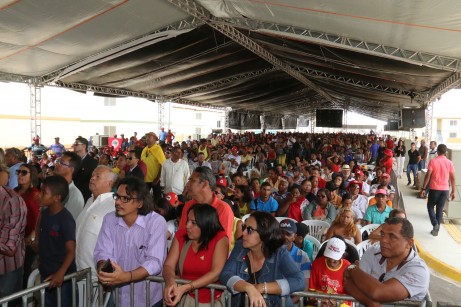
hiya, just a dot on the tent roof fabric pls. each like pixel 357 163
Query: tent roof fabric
pixel 279 57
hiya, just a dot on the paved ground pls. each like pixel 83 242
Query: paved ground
pixel 444 290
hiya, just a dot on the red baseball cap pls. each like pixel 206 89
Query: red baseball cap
pixel 381 191
pixel 234 148
pixel 172 198
pixel 221 181
pixel 388 153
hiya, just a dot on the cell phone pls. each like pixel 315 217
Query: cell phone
pixel 107 267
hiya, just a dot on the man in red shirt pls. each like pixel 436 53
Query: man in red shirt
pixel 440 171
pixel 200 187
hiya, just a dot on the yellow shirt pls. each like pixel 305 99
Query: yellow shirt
pixel 154 159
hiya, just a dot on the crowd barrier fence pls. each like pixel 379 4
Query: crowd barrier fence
pixel 87 299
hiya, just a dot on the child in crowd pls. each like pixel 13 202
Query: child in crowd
pixel 56 244
pixel 328 270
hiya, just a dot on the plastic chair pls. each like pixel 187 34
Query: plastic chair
pixel 245 217
pixel 363 246
pixel 368 229
pixel 315 243
pixel 281 218
pixel 316 228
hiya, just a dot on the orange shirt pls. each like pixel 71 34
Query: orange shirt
pixel 225 214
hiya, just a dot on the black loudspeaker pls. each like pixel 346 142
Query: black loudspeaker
pixel 392 125
pixel 331 118
pixel 412 118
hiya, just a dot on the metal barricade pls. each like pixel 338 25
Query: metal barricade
pixel 303 296
pixel 74 277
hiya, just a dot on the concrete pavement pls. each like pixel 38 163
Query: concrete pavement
pixel 441 253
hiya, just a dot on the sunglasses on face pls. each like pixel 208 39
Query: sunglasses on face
pixel 22 172
pixel 248 229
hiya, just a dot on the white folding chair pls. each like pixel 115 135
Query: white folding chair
pixel 368 229
pixel 245 217
pixel 315 243
pixel 281 218
pixel 363 246
pixel 316 228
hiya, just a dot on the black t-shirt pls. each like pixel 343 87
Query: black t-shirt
pixel 55 231
pixel 413 157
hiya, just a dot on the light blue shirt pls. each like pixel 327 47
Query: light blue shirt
pixel 13 179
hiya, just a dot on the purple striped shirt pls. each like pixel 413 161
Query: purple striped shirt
pixel 13 213
pixel 142 244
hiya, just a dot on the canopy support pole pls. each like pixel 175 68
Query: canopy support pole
pixel 35 111
pixel 429 117
pixel 161 114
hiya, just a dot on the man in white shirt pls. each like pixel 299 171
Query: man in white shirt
pixel 90 219
pixel 234 159
pixel 201 161
pixel 65 167
pixel 175 173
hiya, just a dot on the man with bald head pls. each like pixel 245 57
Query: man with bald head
pixel 153 157
pixel 90 219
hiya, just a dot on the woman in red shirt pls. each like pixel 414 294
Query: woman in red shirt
pixel 27 188
pixel 200 251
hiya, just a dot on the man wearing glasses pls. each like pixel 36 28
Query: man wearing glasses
pixel 134 239
pixel 391 271
pixel 83 174
pixel 65 167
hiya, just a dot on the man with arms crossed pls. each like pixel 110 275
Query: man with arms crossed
pixel 391 271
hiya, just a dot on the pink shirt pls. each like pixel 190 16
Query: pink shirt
pixel 441 168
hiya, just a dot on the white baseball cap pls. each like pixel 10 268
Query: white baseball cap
pixel 335 249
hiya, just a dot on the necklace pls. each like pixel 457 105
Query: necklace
pixel 251 258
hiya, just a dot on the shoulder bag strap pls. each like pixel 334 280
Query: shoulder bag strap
pixel 182 256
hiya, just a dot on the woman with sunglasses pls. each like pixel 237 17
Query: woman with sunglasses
pixel 27 189
pixel 199 251
pixel 261 266
pixel 320 208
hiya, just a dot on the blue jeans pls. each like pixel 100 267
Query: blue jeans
pixel 436 198
pixel 51 298
pixel 11 282
pixel 421 164
pixel 414 169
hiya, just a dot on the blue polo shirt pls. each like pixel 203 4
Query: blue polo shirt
pixel 374 216
pixel 302 260
pixel 271 205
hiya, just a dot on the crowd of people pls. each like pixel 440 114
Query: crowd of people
pixel 205 210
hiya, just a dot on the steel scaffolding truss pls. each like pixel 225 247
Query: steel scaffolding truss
pixel 161 113
pixel 35 111
pixel 429 116
pixel 451 82
pixel 221 83
pixel 194 9
pixel 358 83
pixel 409 56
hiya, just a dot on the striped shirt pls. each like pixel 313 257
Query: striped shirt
pixel 141 245
pixel 13 213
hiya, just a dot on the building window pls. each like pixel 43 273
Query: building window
pixel 109 130
pixel 109 102
pixel 452 134
pixel 453 123
pixel 218 124
pixel 198 115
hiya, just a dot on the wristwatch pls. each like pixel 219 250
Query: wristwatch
pixel 351 267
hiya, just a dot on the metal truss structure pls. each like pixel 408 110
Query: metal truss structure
pixel 223 82
pixel 161 114
pixel 35 111
pixel 409 56
pixel 357 83
pixel 194 9
pixel 429 117
pixel 453 81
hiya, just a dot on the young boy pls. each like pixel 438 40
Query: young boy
pixel 56 240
